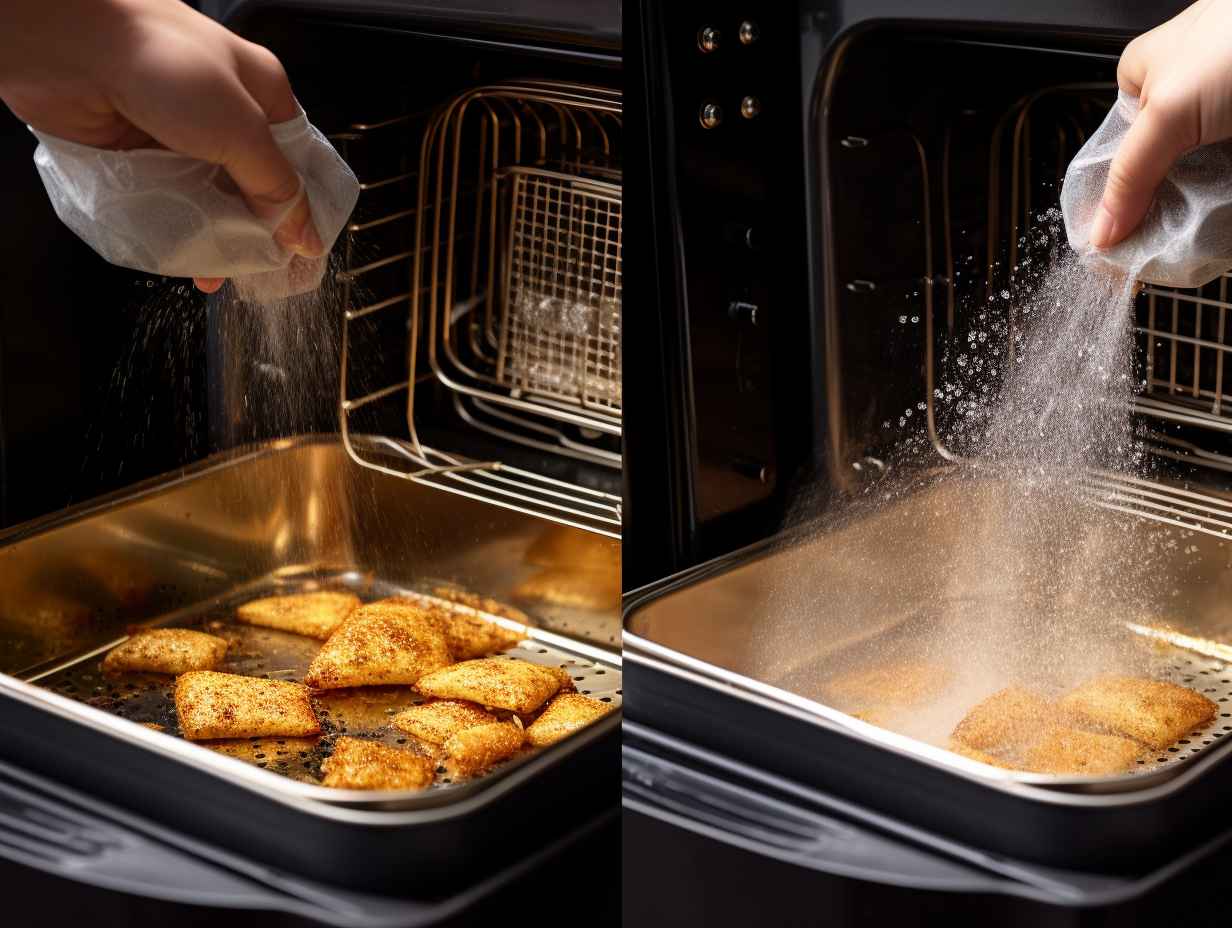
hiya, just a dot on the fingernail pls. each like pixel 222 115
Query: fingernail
pixel 310 244
pixel 1101 228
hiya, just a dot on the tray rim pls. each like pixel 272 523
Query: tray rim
pixel 1088 792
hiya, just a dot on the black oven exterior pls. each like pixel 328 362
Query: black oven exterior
pixel 108 377
pixel 732 425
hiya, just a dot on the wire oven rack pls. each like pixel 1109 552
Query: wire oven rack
pixel 1183 335
pixel 512 231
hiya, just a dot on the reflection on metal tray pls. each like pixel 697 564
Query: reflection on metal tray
pixel 365 712
pixel 776 624
pixel 284 515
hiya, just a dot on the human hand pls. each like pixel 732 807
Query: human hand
pixel 125 74
pixel 1181 73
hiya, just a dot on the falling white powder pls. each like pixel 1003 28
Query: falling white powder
pixel 999 569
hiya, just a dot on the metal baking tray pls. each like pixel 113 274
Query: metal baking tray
pixel 282 516
pixel 747 637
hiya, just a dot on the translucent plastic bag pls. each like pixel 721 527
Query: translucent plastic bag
pixel 163 213
pixel 1185 239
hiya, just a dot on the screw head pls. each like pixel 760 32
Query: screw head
pixel 708 39
pixel 710 115
pixel 749 107
pixel 749 32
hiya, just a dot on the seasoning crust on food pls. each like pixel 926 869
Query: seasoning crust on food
pixel 1151 711
pixel 475 749
pixel 166 650
pixel 1065 750
pixel 565 714
pixel 379 644
pixel 360 764
pixel 315 615
pixel 223 705
pixel 1007 719
pixel 502 683
pixel 439 720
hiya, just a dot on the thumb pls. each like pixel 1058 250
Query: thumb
pixel 1139 166
pixel 268 183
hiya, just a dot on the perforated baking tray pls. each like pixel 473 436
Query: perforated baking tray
pixel 363 712
pixel 185 549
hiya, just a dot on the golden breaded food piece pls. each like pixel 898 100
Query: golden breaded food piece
pixel 166 650
pixel 468 636
pixel 575 589
pixel 225 705
pixel 438 721
pixel 475 749
pixel 316 615
pixel 502 683
pixel 1007 719
pixel 899 683
pixel 482 603
pixel 380 644
pixel 1150 711
pixel 360 764
pixel 563 546
pixel 564 715
pixel 1065 750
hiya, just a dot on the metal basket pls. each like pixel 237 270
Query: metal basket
pixel 514 297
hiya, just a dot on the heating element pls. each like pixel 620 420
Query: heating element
pixel 513 306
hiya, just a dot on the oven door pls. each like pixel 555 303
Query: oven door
pixel 720 826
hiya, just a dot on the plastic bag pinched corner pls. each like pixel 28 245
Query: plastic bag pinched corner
pixel 1185 239
pixel 164 213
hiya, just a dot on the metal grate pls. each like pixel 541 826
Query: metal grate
pixel 1184 335
pixel 561 330
pixel 442 286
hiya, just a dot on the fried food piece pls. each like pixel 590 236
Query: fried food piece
pixel 564 715
pixel 380 644
pixel 897 684
pixel 166 650
pixel 575 589
pixel 316 615
pixel 1065 750
pixel 1008 718
pixel 224 705
pixel 468 636
pixel 360 764
pixel 1151 711
pixel 438 721
pixel 475 749
pixel 562 546
pixel 502 683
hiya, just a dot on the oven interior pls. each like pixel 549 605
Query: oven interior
pixel 520 292
pixel 474 316
pixel 938 153
pixel 976 133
